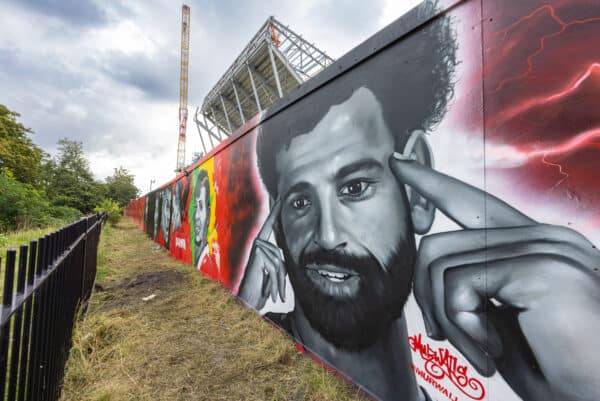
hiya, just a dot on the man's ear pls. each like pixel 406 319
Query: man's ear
pixel 422 210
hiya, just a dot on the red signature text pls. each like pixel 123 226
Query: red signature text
pixel 440 363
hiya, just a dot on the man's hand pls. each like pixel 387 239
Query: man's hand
pixel 265 272
pixel 512 295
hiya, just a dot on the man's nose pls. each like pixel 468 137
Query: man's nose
pixel 328 234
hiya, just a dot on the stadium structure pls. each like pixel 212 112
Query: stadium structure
pixel 275 62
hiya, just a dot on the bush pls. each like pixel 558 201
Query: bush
pixel 21 205
pixel 65 214
pixel 113 210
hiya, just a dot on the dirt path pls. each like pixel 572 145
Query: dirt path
pixel 157 330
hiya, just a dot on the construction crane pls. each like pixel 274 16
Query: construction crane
pixel 183 86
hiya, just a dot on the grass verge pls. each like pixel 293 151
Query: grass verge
pixel 192 341
pixel 15 238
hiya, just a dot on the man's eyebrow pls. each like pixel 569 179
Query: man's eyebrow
pixel 297 187
pixel 363 164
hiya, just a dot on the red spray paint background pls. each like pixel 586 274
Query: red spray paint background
pixel 238 204
pixel 541 81
pixel 136 210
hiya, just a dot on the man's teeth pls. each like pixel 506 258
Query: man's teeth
pixel 335 277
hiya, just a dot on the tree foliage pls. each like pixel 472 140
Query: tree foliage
pixel 18 153
pixel 39 190
pixel 70 182
pixel 23 206
pixel 120 187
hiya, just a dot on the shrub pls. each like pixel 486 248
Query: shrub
pixel 64 214
pixel 21 205
pixel 112 209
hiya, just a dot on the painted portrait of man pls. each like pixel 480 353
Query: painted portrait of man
pixel 179 202
pixel 157 213
pixel 165 217
pixel 349 172
pixel 201 216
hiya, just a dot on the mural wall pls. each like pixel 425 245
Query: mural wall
pixel 423 215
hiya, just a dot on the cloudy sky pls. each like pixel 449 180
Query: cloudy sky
pixel 107 72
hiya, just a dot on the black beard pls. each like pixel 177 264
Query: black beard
pixel 355 323
pixel 200 244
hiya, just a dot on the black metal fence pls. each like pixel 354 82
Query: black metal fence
pixel 54 279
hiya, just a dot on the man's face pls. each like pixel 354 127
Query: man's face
pixel 200 214
pixel 345 223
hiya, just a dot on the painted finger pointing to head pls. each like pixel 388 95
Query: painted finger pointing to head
pixel 460 201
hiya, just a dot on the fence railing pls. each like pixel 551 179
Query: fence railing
pixel 54 280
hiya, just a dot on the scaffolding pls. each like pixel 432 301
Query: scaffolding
pixel 273 64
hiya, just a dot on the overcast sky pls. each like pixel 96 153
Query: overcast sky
pixel 107 72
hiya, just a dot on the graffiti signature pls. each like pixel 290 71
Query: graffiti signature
pixel 441 363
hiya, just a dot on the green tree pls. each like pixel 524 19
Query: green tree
pixel 70 181
pixel 18 153
pixel 120 187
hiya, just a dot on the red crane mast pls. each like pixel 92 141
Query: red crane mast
pixel 183 86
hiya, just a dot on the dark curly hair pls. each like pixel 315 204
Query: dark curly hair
pixel 412 79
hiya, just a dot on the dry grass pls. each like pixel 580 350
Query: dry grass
pixel 193 341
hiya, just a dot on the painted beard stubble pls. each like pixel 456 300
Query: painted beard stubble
pixel 354 323
pixel 200 241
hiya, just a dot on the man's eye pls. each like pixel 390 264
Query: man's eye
pixel 354 188
pixel 300 203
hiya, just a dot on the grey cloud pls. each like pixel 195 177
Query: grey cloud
pixel 39 87
pixel 157 77
pixel 76 12
pixel 48 70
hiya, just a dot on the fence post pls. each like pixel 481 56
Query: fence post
pixel 84 303
pixel 34 364
pixel 26 355
pixel 9 275
pixel 17 333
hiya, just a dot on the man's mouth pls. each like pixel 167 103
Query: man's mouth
pixel 332 272
pixel 335 277
pixel 334 280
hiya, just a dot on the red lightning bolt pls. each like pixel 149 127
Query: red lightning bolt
pixel 563 27
pixel 563 173
pixel 577 142
pixel 511 112
pixel 582 140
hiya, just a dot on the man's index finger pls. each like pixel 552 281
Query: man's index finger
pixel 468 206
pixel 267 227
